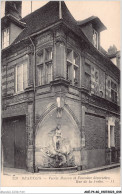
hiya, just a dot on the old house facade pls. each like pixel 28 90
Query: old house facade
pixel 60 91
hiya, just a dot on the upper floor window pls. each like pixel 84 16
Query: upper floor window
pixel 88 77
pixel 44 66
pixel 95 38
pixel 21 76
pixel 48 54
pixel 5 38
pixel 73 62
pixel 113 92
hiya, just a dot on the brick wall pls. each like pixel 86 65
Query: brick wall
pixel 95 132
pixel 117 133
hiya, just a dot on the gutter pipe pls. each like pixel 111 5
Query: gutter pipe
pixel 34 89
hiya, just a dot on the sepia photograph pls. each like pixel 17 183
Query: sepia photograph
pixel 60 94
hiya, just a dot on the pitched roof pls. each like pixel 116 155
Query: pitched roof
pixel 49 14
pixel 11 18
pixel 40 19
pixel 46 16
pixel 93 19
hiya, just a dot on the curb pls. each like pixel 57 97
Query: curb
pixel 102 168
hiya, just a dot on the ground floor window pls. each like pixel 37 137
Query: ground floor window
pixel 112 138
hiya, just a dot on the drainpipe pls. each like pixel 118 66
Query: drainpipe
pixel 34 90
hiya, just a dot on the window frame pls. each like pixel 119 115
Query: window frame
pixel 51 53
pixel 72 66
pixel 97 38
pixel 47 64
pixel 16 77
pixel 112 136
pixel 111 123
pixel 87 72
pixel 114 96
pixel 44 64
pixel 5 42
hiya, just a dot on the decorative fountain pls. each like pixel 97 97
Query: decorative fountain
pixel 56 153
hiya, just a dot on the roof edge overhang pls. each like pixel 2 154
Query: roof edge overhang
pixel 26 39
pixel 107 59
pixel 9 18
pixel 93 20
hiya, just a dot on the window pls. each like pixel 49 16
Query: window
pixel 5 38
pixel 48 54
pixel 69 55
pixel 75 74
pixel 40 57
pixel 40 75
pixel 113 92
pixel 112 138
pixel 96 76
pixel 48 73
pixel 95 39
pixel 87 81
pixel 76 59
pixel 73 62
pixel 68 73
pixel 44 66
pixel 88 77
pixel 111 132
pixel 21 77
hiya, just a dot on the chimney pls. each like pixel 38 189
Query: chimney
pixel 13 8
pixel 112 50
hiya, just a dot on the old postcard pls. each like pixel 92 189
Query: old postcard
pixel 60 71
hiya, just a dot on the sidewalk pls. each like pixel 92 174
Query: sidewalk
pixel 13 171
pixel 98 169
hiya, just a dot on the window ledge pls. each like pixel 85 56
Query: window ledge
pixel 17 93
pixel 39 64
pixel 48 61
pixel 43 86
pixel 23 91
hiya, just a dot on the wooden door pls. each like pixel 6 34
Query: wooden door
pixel 20 144
pixel 14 142
pixel 8 143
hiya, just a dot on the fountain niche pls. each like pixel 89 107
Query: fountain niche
pixel 58 143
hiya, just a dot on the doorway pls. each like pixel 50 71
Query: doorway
pixel 14 142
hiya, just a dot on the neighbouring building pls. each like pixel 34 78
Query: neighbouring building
pixel 60 91
pixel 114 55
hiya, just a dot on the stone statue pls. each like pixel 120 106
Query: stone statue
pixel 59 148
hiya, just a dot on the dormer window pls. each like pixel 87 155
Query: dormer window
pixel 5 38
pixel 95 38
